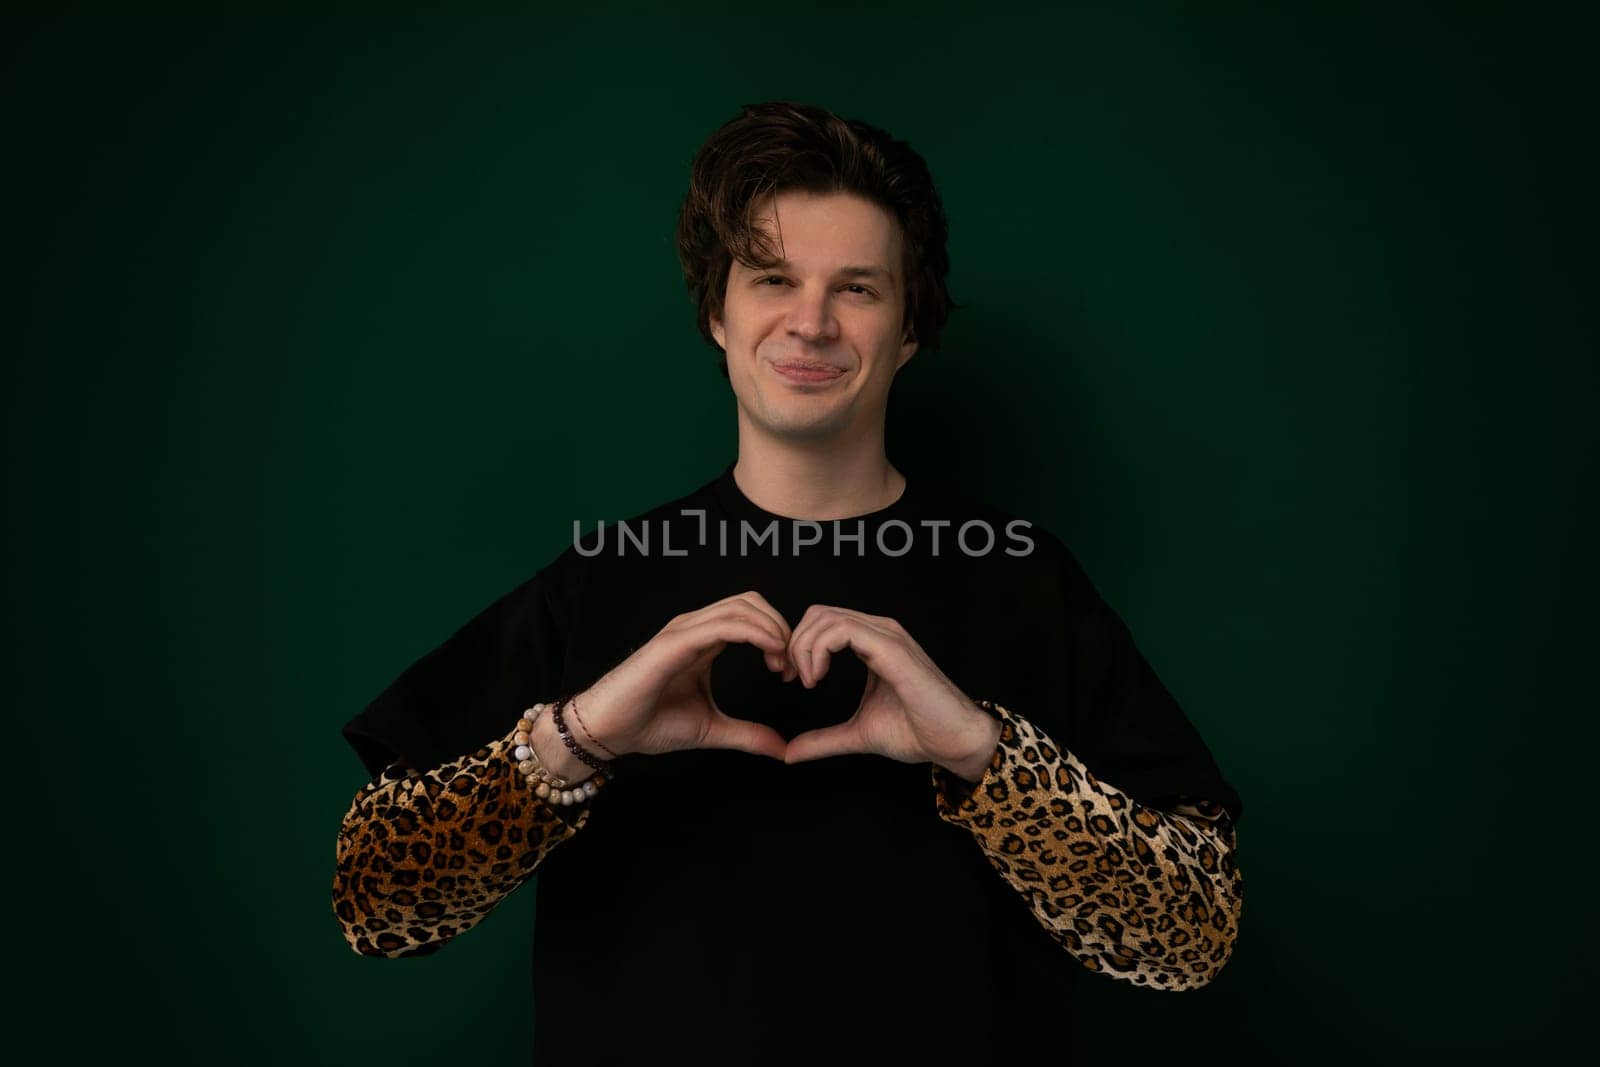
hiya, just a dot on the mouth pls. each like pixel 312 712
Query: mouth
pixel 807 370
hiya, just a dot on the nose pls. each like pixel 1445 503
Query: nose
pixel 811 319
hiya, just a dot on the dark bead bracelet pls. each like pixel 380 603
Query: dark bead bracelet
pixel 567 739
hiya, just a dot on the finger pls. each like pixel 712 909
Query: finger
pixel 815 656
pixel 871 645
pixel 745 736
pixel 692 642
pixel 762 604
pixel 738 608
pixel 800 640
pixel 841 739
pixel 826 640
pixel 763 614
pixel 808 620
pixel 749 601
pixel 739 605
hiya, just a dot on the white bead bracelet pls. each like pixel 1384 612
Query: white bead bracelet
pixel 551 788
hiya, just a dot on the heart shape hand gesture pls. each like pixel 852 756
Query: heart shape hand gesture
pixel 659 699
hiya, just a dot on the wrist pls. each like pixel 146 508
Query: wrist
pixel 553 753
pixel 971 768
pixel 585 720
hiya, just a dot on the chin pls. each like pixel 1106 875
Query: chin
pixel 807 426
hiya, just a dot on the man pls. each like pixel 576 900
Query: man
pixel 845 766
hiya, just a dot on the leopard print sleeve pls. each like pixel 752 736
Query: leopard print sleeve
pixel 1148 896
pixel 423 856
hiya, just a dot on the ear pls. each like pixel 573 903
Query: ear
pixel 907 350
pixel 717 331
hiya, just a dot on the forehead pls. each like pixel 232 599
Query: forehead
pixel 828 231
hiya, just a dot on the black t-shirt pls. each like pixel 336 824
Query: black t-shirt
pixel 733 908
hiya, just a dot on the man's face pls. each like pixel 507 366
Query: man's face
pixel 814 343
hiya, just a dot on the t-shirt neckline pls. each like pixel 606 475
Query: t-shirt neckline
pixel 739 506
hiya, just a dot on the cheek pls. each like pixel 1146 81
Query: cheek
pixel 749 333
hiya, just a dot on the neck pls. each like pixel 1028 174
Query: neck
pixel 817 480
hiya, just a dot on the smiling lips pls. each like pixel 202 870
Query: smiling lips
pixel 807 370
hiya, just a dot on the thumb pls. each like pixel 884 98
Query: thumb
pixel 837 740
pixel 746 736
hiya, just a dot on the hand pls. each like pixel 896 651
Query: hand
pixel 909 710
pixel 659 699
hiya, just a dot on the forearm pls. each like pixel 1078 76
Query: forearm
pixel 423 856
pixel 1147 896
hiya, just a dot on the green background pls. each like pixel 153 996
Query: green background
pixel 325 327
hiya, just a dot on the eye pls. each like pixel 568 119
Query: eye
pixel 856 289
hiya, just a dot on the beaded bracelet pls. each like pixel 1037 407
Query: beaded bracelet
pixel 593 740
pixel 551 788
pixel 567 738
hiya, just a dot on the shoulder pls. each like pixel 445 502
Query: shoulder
pixel 1030 560
pixel 1018 534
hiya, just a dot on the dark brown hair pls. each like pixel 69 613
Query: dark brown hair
pixel 785 146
